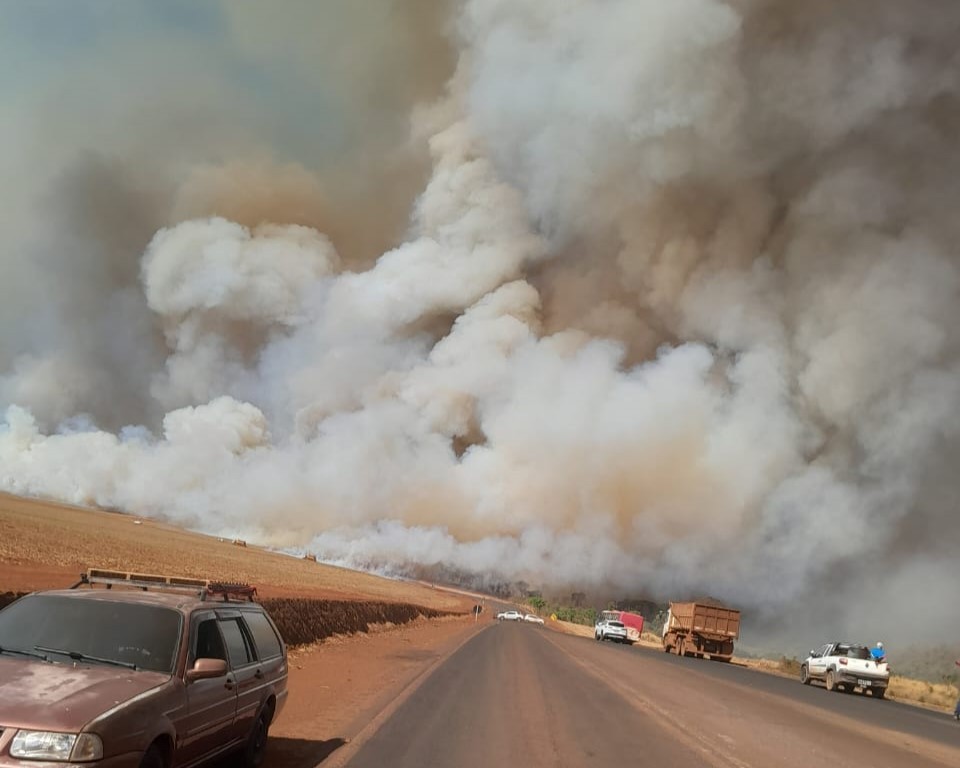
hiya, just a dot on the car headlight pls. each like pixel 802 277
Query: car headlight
pixel 45 745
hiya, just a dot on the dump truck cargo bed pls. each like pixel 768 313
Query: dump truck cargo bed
pixel 706 619
pixel 695 629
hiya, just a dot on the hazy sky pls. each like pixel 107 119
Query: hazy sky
pixel 276 69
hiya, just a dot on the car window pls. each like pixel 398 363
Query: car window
pixel 238 644
pixel 858 652
pixel 209 643
pixel 130 633
pixel 264 636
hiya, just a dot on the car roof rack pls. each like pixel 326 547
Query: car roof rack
pixel 230 590
pixel 202 588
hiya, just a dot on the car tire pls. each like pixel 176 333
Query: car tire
pixel 879 693
pixel 804 675
pixel 831 681
pixel 256 746
pixel 153 758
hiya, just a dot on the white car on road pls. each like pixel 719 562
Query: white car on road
pixel 510 616
pixel 611 630
pixel 846 667
pixel 533 619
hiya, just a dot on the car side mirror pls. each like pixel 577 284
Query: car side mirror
pixel 814 654
pixel 206 669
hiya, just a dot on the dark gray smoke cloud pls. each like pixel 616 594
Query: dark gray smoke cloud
pixel 675 314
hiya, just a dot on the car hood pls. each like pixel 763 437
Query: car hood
pixel 61 697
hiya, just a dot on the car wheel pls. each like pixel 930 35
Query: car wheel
pixel 831 681
pixel 153 758
pixel 879 693
pixel 256 746
pixel 804 675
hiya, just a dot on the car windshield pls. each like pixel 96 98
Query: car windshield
pixel 854 652
pixel 615 623
pixel 102 631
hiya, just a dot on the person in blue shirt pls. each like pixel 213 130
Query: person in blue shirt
pixel 878 653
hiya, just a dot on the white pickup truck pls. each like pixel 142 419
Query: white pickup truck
pixel 846 667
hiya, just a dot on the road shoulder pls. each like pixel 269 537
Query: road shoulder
pixel 341 688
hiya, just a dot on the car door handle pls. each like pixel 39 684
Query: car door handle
pixel 229 684
pixel 258 674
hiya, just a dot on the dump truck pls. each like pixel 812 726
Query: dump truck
pixel 701 629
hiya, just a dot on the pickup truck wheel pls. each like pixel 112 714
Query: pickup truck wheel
pixel 804 675
pixel 153 758
pixel 879 693
pixel 256 746
pixel 831 681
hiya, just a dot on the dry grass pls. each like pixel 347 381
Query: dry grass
pixel 935 695
pixel 46 545
pixel 569 628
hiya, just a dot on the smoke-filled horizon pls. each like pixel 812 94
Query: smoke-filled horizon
pixel 674 310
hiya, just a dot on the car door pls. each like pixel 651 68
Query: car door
pixel 818 665
pixel 245 670
pixel 270 650
pixel 211 704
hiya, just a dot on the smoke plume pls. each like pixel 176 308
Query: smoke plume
pixel 675 313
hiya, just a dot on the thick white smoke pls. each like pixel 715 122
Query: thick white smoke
pixel 677 314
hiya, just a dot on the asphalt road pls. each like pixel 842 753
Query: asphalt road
pixel 522 695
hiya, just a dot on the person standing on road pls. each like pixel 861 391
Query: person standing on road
pixel 956 710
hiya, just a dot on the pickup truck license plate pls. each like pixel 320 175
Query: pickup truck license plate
pixel 864 683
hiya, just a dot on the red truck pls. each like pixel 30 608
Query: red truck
pixel 632 621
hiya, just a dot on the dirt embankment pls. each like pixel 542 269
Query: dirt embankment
pixel 305 621
pixel 302 622
pixel 45 545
